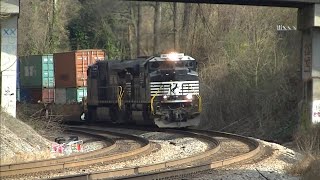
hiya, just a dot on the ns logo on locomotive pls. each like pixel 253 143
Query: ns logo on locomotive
pixel 161 90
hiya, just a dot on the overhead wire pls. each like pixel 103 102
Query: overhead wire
pixel 10 66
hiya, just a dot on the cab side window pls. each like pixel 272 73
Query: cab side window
pixel 93 71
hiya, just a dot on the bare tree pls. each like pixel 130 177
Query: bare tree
pixel 139 30
pixel 157 26
pixel 39 32
pixel 186 26
pixel 175 28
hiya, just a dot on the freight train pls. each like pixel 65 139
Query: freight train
pixel 158 90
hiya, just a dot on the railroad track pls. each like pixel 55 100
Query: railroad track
pixel 199 162
pixel 178 167
pixel 77 160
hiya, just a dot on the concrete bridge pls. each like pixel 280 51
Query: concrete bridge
pixel 308 23
pixel 275 3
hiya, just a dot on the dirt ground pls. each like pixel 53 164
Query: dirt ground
pixel 19 142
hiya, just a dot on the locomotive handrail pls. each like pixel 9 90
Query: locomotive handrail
pixel 151 101
pixel 120 95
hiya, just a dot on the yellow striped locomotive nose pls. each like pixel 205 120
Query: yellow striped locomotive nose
pixel 174 88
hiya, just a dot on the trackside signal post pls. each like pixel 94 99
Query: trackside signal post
pixel 309 24
pixel 8 64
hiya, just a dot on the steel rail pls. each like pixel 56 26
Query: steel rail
pixel 144 169
pixel 49 166
pixel 73 157
pixel 256 148
pixel 213 150
pixel 144 172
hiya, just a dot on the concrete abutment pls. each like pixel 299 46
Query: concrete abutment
pixel 309 25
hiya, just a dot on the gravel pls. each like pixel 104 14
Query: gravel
pixel 175 148
pixel 272 168
pixel 19 142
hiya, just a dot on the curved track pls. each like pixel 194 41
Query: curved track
pixel 173 168
pixel 77 159
pixel 199 162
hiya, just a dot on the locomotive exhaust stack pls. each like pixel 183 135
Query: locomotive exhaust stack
pixel 161 90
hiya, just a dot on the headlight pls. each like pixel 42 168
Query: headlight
pixel 189 96
pixel 165 97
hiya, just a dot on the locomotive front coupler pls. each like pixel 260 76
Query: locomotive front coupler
pixel 178 115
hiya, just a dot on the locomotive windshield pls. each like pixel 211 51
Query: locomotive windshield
pixel 168 65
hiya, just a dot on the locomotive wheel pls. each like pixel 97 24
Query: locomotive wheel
pixel 114 114
pixel 128 115
pixel 92 114
pixel 120 116
pixel 147 115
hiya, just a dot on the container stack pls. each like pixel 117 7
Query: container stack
pixel 36 76
pixel 60 77
pixel 71 74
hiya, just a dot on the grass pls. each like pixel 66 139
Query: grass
pixel 308 142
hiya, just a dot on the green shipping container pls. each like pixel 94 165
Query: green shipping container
pixel 75 94
pixel 37 71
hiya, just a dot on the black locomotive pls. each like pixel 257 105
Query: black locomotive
pixel 161 90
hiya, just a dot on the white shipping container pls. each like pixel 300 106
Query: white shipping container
pixel 61 96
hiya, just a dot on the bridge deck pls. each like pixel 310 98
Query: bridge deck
pixel 275 3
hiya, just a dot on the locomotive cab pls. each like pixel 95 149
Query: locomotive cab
pixel 174 90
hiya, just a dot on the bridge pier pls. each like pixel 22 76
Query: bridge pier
pixel 8 63
pixel 309 24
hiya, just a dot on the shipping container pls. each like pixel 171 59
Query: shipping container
pixel 36 71
pixel 70 95
pixel 61 96
pixel 71 67
pixel 75 94
pixel 35 95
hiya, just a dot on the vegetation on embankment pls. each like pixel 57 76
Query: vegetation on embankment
pixel 308 143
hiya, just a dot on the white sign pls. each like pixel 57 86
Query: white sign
pixel 316 112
